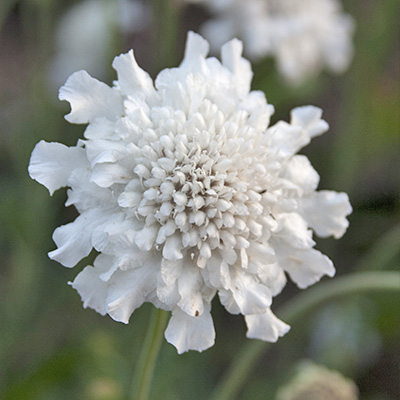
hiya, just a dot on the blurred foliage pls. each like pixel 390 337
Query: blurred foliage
pixel 51 348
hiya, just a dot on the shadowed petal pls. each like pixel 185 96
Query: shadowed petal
pixel 191 333
pixel 265 326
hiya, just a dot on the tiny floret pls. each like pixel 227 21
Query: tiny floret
pixel 186 192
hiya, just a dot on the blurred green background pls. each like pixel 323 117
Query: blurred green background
pixel 51 348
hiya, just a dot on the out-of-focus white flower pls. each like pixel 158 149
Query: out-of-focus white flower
pixel 304 36
pixel 316 382
pixel 85 34
pixel 186 192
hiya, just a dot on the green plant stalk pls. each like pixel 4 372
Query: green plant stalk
pixel 297 308
pixel 148 356
pixel 165 34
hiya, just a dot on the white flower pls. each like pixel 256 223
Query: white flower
pixel 312 382
pixel 84 35
pixel 186 192
pixel 304 36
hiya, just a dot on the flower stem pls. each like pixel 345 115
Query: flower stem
pixel 148 356
pixel 165 34
pixel 296 309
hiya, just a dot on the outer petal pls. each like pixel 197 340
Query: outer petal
pixel 231 54
pixel 92 289
pixel 265 326
pixel 273 276
pixel 103 151
pixel 131 77
pixel 191 333
pixel 295 231
pixel 51 164
pixel 196 51
pixel 74 240
pixel 117 232
pixel 286 139
pixel 85 195
pixel 326 212
pixel 246 294
pixel 305 267
pixel 189 286
pixel 106 174
pixel 300 172
pixel 259 110
pixel 168 293
pixel 309 118
pixel 90 99
pixel 101 128
pixel 130 289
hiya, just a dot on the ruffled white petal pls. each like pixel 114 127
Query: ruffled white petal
pixel 231 54
pixel 300 172
pixel 274 277
pixel 168 293
pixel 103 151
pixel 294 231
pixel 92 289
pixel 309 118
pixel 325 212
pixel 51 164
pixel 74 240
pixel 90 99
pixel 189 287
pixel 101 128
pixel 128 290
pixel 265 326
pixel 286 139
pixel 131 78
pixel 196 51
pixel 85 195
pixel 246 294
pixel 259 110
pixel 305 267
pixel 106 174
pixel 191 333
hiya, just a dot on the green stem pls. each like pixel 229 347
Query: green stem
pixel 148 356
pixel 165 35
pixel 297 308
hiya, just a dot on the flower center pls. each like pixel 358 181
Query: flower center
pixel 202 187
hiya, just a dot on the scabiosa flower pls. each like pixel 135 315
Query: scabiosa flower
pixel 186 193
pixel 303 36
pixel 315 382
pixel 84 35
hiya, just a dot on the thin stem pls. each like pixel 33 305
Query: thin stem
pixel 297 308
pixel 165 34
pixel 148 356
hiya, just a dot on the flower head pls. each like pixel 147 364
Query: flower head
pixel 186 192
pixel 315 382
pixel 83 38
pixel 303 36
